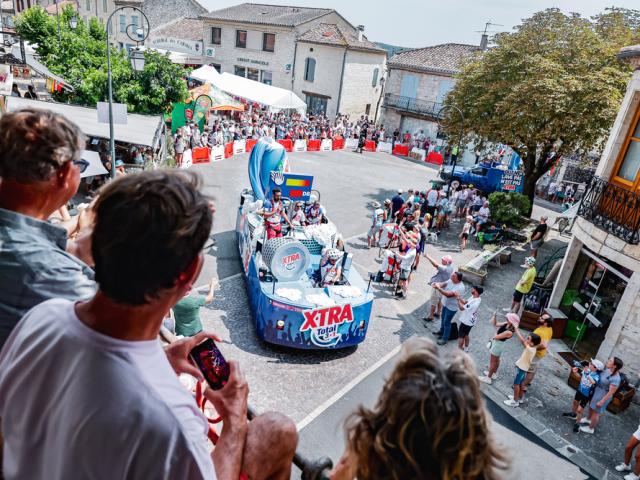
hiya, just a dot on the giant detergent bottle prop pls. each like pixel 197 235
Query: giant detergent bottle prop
pixel 266 157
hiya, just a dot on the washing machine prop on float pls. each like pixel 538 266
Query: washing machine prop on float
pixel 289 302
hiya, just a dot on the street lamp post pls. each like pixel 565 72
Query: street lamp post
pixel 442 113
pixel 58 18
pixel 141 35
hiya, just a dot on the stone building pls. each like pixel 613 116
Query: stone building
pixel 417 83
pixel 315 52
pixel 598 287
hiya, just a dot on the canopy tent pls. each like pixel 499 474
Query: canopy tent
pixel 219 99
pixel 143 130
pixel 273 97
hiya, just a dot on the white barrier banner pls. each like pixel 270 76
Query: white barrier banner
pixel 187 159
pixel 239 146
pixel 351 143
pixel 384 147
pixel 326 145
pixel 217 153
pixel 418 154
pixel 300 146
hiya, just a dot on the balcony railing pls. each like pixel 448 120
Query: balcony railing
pixel 613 209
pixel 408 104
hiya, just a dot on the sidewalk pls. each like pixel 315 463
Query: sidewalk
pixel 549 394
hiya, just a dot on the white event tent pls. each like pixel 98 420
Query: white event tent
pixel 273 97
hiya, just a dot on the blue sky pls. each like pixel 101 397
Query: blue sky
pixel 417 23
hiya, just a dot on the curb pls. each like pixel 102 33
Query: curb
pixel 553 440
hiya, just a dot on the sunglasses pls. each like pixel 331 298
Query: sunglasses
pixel 81 164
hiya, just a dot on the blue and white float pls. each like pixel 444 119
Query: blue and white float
pixel 287 306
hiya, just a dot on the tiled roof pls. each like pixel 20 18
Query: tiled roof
pixel 183 28
pixel 285 16
pixel 331 34
pixel 446 58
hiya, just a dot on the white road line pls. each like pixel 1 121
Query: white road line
pixel 344 390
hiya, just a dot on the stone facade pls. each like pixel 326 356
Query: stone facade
pixel 350 92
pixel 621 338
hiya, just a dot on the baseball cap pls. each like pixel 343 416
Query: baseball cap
pixel 597 363
pixel 399 192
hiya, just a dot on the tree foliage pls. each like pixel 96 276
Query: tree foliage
pixel 81 59
pixel 550 88
pixel 509 207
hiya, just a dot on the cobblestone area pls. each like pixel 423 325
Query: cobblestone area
pixel 298 382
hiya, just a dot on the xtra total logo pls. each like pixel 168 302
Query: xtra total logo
pixel 323 324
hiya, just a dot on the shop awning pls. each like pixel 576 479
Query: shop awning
pixel 273 97
pixel 219 99
pixel 36 65
pixel 140 129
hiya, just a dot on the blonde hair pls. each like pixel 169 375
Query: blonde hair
pixel 429 422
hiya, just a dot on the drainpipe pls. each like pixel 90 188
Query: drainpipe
pixel 344 61
pixel 293 67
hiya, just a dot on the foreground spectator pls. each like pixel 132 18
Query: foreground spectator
pixel 114 407
pixel 40 167
pixel 625 466
pixel 429 423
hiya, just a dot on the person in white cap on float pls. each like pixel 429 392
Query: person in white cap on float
pixel 444 271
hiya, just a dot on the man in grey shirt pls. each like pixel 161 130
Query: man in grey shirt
pixel 443 272
pixel 40 166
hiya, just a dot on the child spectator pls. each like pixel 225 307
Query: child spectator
pixel 187 311
pixel 466 229
pixel 522 366
pixel 589 378
pixel 468 317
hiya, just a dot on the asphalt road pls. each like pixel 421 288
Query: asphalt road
pixel 318 389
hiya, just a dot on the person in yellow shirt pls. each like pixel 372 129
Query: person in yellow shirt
pixel 545 332
pixel 522 366
pixel 524 285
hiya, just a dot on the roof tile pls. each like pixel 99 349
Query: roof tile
pixel 332 34
pixel 446 58
pixel 280 15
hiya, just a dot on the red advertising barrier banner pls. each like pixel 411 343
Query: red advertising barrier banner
pixel 228 150
pixel 313 146
pixel 250 144
pixel 401 150
pixel 370 146
pixel 338 143
pixel 435 158
pixel 201 155
pixel 287 144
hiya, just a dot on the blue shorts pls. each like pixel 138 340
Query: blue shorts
pixel 520 376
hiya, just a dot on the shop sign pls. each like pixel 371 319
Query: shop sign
pixel 253 61
pixel 192 47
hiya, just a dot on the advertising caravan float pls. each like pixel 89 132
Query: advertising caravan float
pixel 290 302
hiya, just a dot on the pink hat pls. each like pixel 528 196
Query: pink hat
pixel 447 260
pixel 513 319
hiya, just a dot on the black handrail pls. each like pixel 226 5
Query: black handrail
pixel 414 105
pixel 612 208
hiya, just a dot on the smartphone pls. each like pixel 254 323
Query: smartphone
pixel 208 358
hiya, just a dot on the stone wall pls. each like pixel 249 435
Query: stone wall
pixel 357 88
pixel 428 84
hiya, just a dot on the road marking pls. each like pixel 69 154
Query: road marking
pixel 344 390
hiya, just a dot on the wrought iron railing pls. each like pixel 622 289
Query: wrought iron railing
pixel 413 105
pixel 612 208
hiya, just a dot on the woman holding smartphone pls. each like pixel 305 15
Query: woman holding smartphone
pixel 504 331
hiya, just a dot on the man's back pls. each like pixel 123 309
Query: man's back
pixel 106 408
pixel 35 267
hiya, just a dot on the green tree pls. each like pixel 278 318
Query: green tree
pixel 550 88
pixel 81 59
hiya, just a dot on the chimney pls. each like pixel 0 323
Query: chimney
pixel 360 31
pixel 484 41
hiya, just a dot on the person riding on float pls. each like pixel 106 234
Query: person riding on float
pixel 330 270
pixel 298 219
pixel 273 214
pixel 315 213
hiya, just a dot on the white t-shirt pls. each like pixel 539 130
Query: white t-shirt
pixel 406 262
pixel 75 403
pixel 470 313
pixel 432 198
pixel 452 302
pixel 484 212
